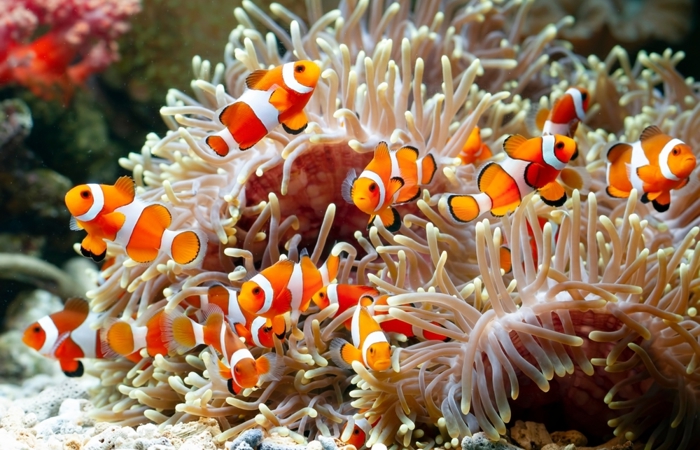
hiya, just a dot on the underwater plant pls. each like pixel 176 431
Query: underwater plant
pixel 600 307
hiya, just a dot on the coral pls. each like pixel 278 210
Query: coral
pixel 601 317
pixel 16 121
pixel 80 41
pixel 27 267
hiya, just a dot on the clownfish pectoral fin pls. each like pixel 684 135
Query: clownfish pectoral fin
pixel 532 175
pixel 186 247
pixel 512 144
pixel 408 194
pixel 269 367
pixel 254 80
pixel 553 194
pixel 648 174
pixel 390 219
pixel 72 368
pixel 662 202
pixel 218 145
pixel 395 184
pixel 125 185
pixel 617 150
pixel 506 261
pixel 295 124
pixel 346 188
pixel 281 100
pixel 463 208
pixel 178 332
pixel 649 132
pixel 343 353
pixel 74 225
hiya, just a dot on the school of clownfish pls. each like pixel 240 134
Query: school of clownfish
pixel 271 303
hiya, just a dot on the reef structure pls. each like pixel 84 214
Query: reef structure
pixel 603 313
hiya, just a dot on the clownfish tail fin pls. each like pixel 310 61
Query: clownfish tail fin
pixel 119 338
pixel 429 167
pixel 179 332
pixel 337 349
pixel 184 247
pixel 270 367
pixel 463 208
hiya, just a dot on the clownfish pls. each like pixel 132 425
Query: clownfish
pixel 286 287
pixel 360 431
pixel 654 165
pixel 567 112
pixel 253 329
pixel 475 151
pixel 115 214
pixel 240 368
pixel 405 328
pixel 126 337
pixel 67 336
pixel 532 165
pixel 345 296
pixel 369 344
pixel 391 178
pixel 273 96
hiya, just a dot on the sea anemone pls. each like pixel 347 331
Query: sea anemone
pixel 586 306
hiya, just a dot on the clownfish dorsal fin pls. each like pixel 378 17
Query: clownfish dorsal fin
pixel 512 144
pixel 254 78
pixel 381 153
pixel 649 132
pixel 125 185
pixel 77 305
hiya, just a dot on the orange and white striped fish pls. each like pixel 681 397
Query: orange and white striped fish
pixel 475 151
pixel 654 166
pixel 286 287
pixel 345 296
pixel 369 344
pixel 567 112
pixel 391 178
pixel 125 337
pixel 67 336
pixel 114 213
pixel 275 96
pixel 532 165
pixel 360 431
pixel 253 329
pixel 405 328
pixel 240 368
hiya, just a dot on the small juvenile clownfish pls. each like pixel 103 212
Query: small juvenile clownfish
pixel 67 336
pixel 532 165
pixel 345 296
pixel 240 368
pixel 654 165
pixel 391 178
pixel 286 287
pixel 125 337
pixel 405 328
pixel 360 431
pixel 115 214
pixel 273 96
pixel 369 344
pixel 567 112
pixel 253 329
pixel 475 151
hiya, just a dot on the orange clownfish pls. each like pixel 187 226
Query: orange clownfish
pixel 567 112
pixel 114 213
pixel 67 336
pixel 369 344
pixel 405 328
pixel 273 96
pixel 286 286
pixel 392 177
pixel 654 165
pixel 345 296
pixel 253 329
pixel 532 165
pixel 360 431
pixel 240 368
pixel 475 151
pixel 126 337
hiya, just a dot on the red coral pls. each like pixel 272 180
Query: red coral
pixel 79 41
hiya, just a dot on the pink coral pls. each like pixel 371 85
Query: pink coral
pixel 79 42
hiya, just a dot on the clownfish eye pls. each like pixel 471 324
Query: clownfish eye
pixel 267 329
pixel 371 351
pixel 236 369
pixel 256 291
pixel 300 68
pixel 85 194
pixel 321 294
pixel 559 145
pixel 356 431
pixel 584 96
pixel 372 187
pixel 37 329
pixel 675 151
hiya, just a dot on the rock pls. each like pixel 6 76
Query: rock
pixel 479 441
pixel 327 443
pixel 564 438
pixel 530 435
pixel 251 438
pixel 19 362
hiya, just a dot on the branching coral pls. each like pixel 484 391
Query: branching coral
pixel 584 307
